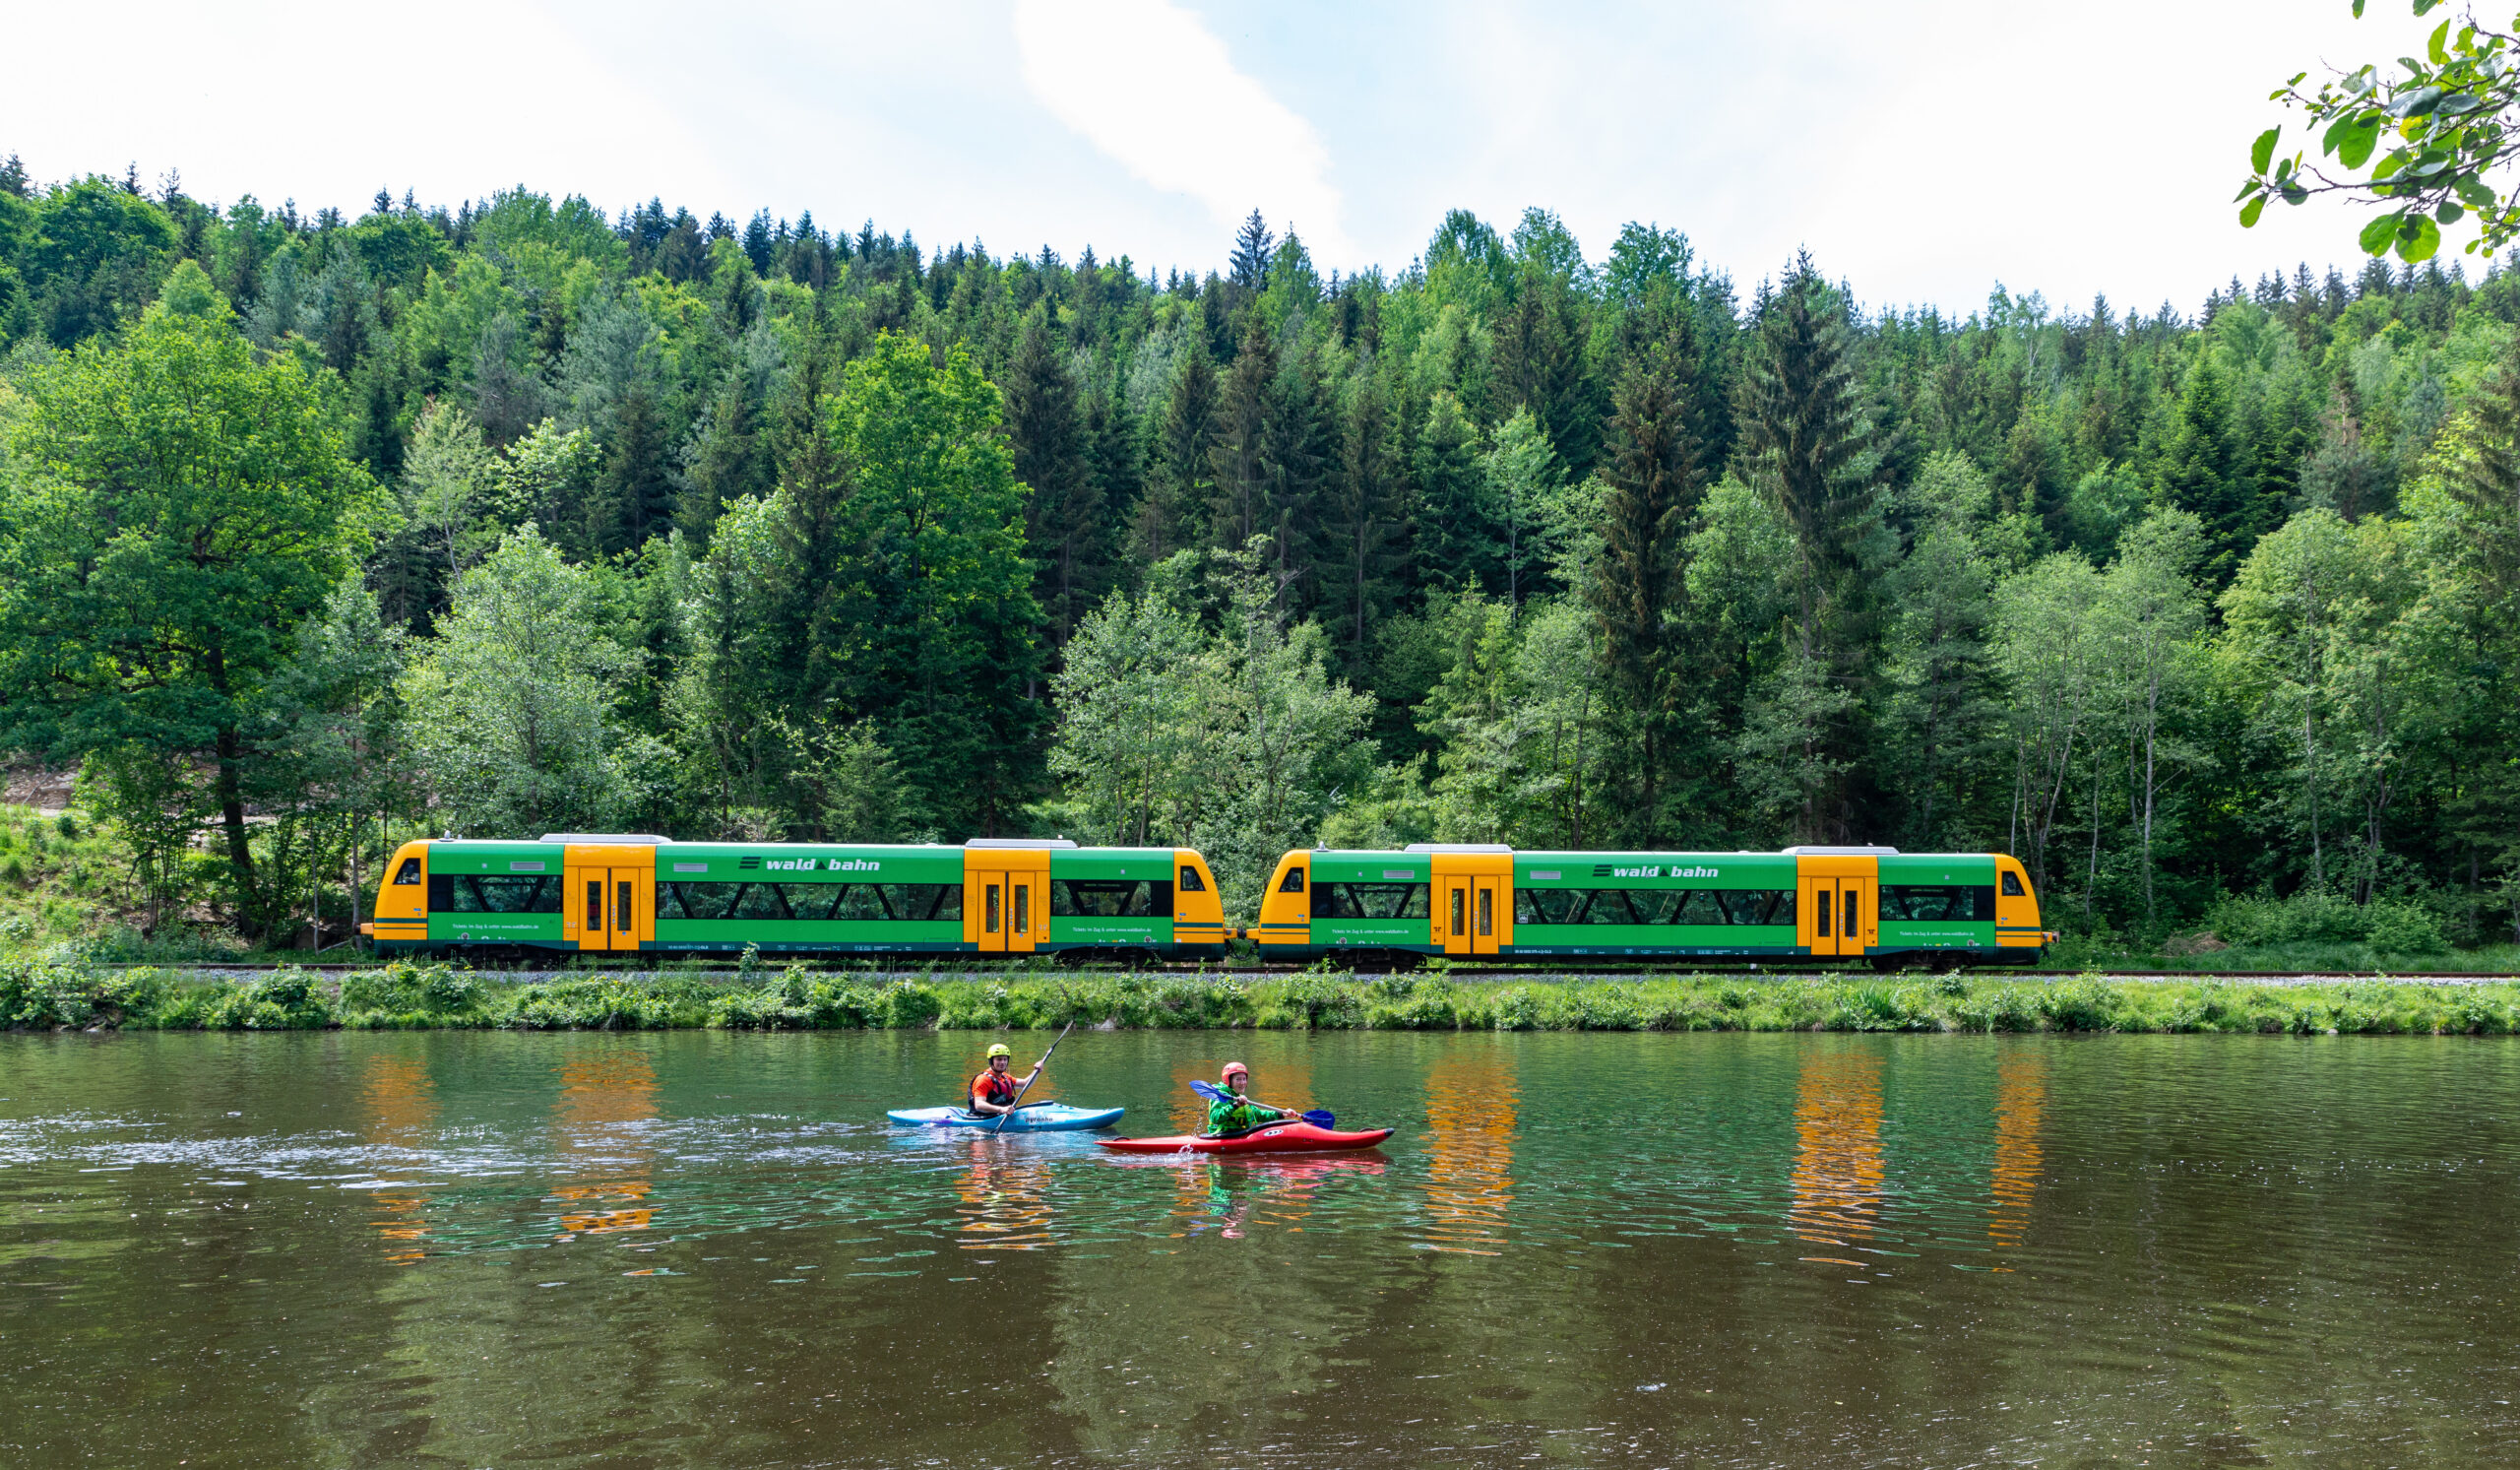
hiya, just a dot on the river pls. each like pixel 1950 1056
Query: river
pixel 708 1249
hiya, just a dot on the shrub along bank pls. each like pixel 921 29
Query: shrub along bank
pixel 56 990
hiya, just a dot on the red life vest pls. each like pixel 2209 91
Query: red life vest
pixel 993 1086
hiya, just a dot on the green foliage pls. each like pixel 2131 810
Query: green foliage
pixel 2447 122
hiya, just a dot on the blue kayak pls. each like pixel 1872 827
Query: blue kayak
pixel 1032 1117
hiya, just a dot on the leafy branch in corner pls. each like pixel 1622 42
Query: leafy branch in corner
pixel 2444 124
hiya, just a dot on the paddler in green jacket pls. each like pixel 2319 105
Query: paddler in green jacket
pixel 1235 1112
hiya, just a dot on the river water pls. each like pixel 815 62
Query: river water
pixel 709 1249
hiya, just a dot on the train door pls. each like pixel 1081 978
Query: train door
pixel 1841 917
pixel 1452 913
pixel 1006 903
pixel 1474 903
pixel 605 909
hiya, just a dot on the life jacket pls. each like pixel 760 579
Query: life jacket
pixel 991 1086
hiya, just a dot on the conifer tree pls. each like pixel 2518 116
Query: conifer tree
pixel 1063 516
pixel 1238 462
pixel 1175 514
pixel 1805 437
pixel 2203 472
pixel 1253 246
pixel 1453 543
pixel 1362 529
pixel 1301 450
pixel 1655 480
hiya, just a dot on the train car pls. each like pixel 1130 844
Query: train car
pixel 1815 903
pixel 634 893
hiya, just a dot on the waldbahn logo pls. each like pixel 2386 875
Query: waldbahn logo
pixel 1606 871
pixel 820 865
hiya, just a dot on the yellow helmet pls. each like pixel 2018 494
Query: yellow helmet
pixel 1001 1050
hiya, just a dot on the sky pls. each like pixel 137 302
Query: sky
pixel 1925 153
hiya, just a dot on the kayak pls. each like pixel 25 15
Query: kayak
pixel 1032 1117
pixel 1292 1136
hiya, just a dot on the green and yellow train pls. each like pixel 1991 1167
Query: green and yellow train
pixel 1840 903
pixel 604 893
pixel 592 893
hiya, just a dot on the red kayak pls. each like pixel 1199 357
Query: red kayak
pixel 1292 1136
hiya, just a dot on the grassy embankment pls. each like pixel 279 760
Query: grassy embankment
pixel 59 990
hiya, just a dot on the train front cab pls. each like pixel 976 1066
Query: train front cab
pixel 1008 903
pixel 2019 939
pixel 1285 928
pixel 402 913
pixel 1839 908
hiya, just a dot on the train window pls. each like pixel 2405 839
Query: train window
pixel 1849 928
pixel 1022 908
pixel 1191 882
pixel 989 913
pixel 926 903
pixel 625 913
pixel 1120 898
pixel 409 872
pixel 758 901
pixel 1457 913
pixel 1612 905
pixel 1293 882
pixel 1821 915
pixel 1699 906
pixel 1369 900
pixel 2012 885
pixel 1487 911
pixel 857 903
pixel 595 906
pixel 1742 905
pixel 1946 903
pixel 465 893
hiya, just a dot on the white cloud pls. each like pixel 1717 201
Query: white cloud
pixel 1149 85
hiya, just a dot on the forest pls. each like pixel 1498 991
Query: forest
pixel 319 532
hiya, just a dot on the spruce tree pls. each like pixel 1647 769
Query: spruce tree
pixel 1454 540
pixel 1362 534
pixel 1805 436
pixel 1655 478
pixel 1238 501
pixel 1301 440
pixel 1253 245
pixel 1063 515
pixel 1174 512
pixel 2204 472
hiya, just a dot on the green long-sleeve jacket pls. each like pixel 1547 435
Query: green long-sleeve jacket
pixel 1227 1117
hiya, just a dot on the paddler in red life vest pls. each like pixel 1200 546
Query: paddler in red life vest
pixel 995 1090
pixel 1235 1112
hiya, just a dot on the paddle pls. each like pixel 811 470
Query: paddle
pixel 1319 1118
pixel 1000 1126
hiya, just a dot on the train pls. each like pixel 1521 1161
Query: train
pixel 632 893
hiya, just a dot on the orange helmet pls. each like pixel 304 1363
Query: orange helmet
pixel 1233 1068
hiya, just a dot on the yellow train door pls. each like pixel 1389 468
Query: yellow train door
pixel 1452 915
pixel 1837 913
pixel 1006 900
pixel 1473 897
pixel 608 905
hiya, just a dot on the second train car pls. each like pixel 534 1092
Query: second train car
pixel 1804 903
pixel 634 893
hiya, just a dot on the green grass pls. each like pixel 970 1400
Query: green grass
pixel 62 990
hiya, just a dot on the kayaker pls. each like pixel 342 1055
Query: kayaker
pixel 995 1090
pixel 1235 1112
